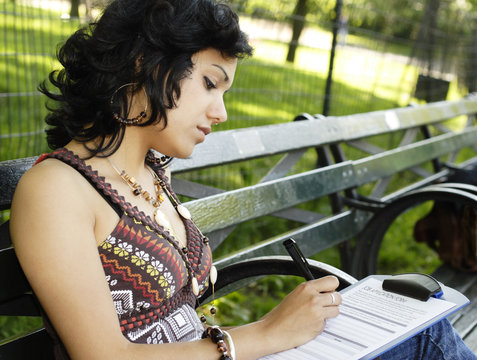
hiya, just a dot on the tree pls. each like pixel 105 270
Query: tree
pixel 74 11
pixel 298 23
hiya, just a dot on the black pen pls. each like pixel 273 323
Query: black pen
pixel 298 258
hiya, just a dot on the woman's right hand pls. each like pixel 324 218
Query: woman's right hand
pixel 302 314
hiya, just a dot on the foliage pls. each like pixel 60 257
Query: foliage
pixel 281 10
pixel 13 326
pixel 399 18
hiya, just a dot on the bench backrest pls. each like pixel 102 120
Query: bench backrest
pixel 216 209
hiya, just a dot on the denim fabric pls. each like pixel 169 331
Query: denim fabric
pixel 439 342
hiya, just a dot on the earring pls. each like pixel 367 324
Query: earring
pixel 134 120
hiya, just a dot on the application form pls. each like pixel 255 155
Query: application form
pixel 371 320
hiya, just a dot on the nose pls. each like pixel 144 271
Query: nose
pixel 217 111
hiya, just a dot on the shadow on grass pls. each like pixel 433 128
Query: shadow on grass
pixel 267 93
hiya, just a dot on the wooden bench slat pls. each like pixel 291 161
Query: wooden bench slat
pixel 10 173
pixel 379 122
pixel 298 215
pixel 248 143
pixel 312 238
pixel 388 163
pixel 253 142
pixel 254 201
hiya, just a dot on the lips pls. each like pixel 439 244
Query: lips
pixel 205 129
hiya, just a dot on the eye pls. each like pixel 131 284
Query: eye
pixel 208 83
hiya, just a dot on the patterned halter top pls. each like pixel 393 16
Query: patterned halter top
pixel 147 272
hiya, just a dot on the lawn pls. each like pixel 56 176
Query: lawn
pixel 29 38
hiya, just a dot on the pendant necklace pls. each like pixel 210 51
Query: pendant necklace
pixel 138 190
pixel 160 189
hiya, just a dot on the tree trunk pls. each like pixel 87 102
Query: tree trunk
pixel 298 23
pixel 74 11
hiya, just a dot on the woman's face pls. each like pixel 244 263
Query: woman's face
pixel 200 105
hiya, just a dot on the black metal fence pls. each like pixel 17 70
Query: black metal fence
pixel 373 68
pixel 30 33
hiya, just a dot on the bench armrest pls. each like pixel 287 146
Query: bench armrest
pixel 370 239
pixel 234 276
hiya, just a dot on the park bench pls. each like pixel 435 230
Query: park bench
pixel 352 181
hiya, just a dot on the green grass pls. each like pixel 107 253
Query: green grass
pixel 28 46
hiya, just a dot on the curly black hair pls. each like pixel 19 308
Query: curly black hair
pixel 100 58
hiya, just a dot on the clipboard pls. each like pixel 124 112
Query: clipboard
pixel 448 294
pixel 333 344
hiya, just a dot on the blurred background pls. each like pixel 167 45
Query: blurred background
pixel 332 57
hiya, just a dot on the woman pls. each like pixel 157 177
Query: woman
pixel 114 259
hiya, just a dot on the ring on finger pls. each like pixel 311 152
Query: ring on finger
pixel 333 299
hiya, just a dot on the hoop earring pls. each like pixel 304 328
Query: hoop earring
pixel 126 121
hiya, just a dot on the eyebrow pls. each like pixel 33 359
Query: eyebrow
pixel 223 70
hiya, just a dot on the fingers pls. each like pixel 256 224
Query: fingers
pixel 322 292
pixel 329 299
pixel 332 310
pixel 326 283
pixel 330 302
pixel 303 313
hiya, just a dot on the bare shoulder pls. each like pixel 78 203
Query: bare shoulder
pixel 49 190
pixel 50 169
pixel 48 180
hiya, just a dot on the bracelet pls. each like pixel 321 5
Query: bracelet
pixel 218 337
pixel 230 342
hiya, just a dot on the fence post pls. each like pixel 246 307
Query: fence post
pixel 470 73
pixel 329 79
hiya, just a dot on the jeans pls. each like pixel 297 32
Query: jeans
pixel 438 342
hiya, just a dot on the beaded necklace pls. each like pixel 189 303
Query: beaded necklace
pixel 159 217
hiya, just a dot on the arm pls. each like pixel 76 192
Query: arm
pixel 53 228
